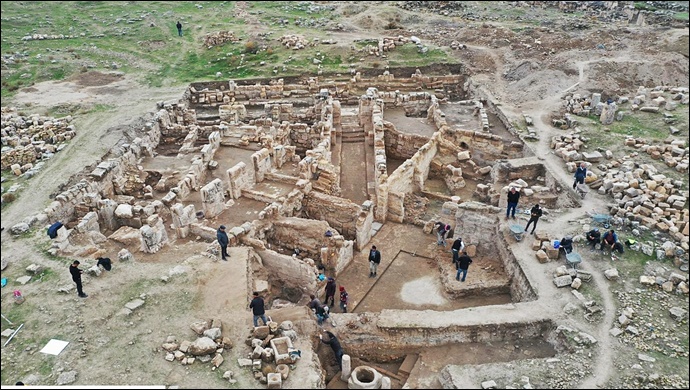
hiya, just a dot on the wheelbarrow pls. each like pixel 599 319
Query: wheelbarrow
pixel 517 231
pixel 573 259
pixel 603 220
pixel 582 190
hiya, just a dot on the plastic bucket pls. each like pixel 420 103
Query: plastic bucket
pixel 556 244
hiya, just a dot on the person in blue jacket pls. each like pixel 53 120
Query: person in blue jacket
pixel 223 241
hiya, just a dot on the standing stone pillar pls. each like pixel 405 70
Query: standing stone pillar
pixel 596 99
pixel 347 368
pixel 608 114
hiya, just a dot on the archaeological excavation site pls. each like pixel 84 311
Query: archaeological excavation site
pixel 307 174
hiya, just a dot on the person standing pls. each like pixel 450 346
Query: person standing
pixel 513 199
pixel 580 174
pixel 462 265
pixel 330 292
pixel 535 214
pixel 343 299
pixel 457 248
pixel 335 346
pixel 76 277
pixel 223 241
pixel 374 261
pixel 179 28
pixel 258 309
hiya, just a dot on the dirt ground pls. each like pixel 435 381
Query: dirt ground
pixel 109 348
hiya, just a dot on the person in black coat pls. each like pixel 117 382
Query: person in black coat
pixel 258 309
pixel 462 265
pixel 76 277
pixel 179 28
pixel 223 242
pixel 593 238
pixel 335 346
pixel 535 214
pixel 374 260
pixel 580 174
pixel 330 292
pixel 513 198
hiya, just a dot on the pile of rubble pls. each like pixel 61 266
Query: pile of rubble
pixel 272 354
pixel 568 147
pixel 219 38
pixel 294 42
pixel 673 152
pixel 646 100
pixel 387 44
pixel 26 139
pixel 644 196
pixel 41 37
pixel 208 347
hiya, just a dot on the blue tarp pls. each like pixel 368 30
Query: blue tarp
pixel 52 230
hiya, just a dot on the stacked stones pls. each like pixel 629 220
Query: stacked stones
pixel 568 146
pixel 646 197
pixel 30 138
pixel 668 282
pixel 263 355
pixel 41 37
pixel 219 38
pixel 208 347
pixel 673 152
pixel 294 42
pixel 387 44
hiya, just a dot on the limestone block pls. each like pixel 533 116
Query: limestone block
pixel 551 252
pixel 536 245
pixel 542 257
pixel 611 274
pixel 274 380
pixel 563 281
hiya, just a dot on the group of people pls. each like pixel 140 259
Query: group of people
pixel 609 240
pixel 460 258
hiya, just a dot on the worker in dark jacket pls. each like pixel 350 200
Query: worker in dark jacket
pixel 76 277
pixel 223 242
pixel 513 198
pixel 462 265
pixel 331 340
pixel 535 214
pixel 580 174
pixel 330 292
pixel 258 309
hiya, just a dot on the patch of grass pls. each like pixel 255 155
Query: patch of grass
pixel 642 5
pixel 410 55
pixel 682 16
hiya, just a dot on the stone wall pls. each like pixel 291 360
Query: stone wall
pixel 305 234
pixel 397 331
pixel 535 182
pixel 240 178
pixel 213 198
pixel 341 214
pixel 400 145
pixel 262 164
pixel 289 273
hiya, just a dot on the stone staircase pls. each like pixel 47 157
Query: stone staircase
pixel 351 131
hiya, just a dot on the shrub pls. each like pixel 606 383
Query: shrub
pixel 251 47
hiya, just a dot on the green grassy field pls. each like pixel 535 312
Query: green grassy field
pixel 140 38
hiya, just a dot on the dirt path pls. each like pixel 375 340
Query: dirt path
pixel 593 201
